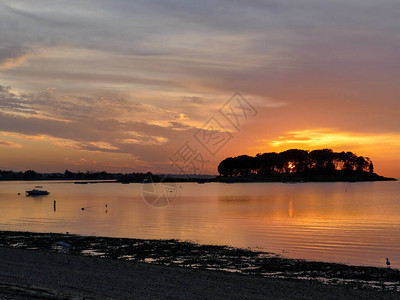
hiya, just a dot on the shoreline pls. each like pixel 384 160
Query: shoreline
pixel 284 178
pixel 217 180
pixel 195 257
pixel 29 274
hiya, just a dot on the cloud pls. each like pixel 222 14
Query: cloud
pixel 11 102
pixel 142 75
pixel 102 124
pixel 372 143
pixel 12 56
pixel 9 144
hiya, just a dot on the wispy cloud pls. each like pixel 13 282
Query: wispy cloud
pixel 9 144
pixel 101 124
pixel 12 57
pixel 135 78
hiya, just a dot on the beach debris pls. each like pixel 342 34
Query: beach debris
pixel 208 257
pixel 64 246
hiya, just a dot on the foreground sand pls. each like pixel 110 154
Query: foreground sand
pixel 31 274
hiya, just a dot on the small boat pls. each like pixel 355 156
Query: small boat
pixel 37 191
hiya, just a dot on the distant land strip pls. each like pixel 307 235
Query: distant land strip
pixel 293 165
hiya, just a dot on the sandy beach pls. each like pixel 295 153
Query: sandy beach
pixel 31 274
pixel 35 265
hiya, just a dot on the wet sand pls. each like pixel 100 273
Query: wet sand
pixel 39 269
pixel 29 274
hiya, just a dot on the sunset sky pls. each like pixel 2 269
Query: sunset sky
pixel 122 85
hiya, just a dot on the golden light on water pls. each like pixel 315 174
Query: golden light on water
pixel 310 220
pixel 290 208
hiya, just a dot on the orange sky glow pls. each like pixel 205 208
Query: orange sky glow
pixel 121 86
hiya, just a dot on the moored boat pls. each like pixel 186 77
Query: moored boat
pixel 37 191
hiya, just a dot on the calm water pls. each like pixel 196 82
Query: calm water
pixel 356 223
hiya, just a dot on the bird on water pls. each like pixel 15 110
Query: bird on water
pixel 387 261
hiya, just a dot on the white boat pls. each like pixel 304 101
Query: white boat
pixel 37 191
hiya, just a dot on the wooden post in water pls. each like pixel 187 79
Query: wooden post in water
pixel 54 205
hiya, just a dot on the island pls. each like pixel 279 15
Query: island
pixel 296 165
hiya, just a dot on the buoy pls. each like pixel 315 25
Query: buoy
pixel 82 208
pixel 19 193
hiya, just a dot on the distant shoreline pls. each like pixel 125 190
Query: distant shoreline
pixel 208 179
pixel 284 176
pixel 289 178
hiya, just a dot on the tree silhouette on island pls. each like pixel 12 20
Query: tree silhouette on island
pixel 296 165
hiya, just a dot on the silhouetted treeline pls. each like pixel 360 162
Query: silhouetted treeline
pixel 296 162
pixel 68 175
